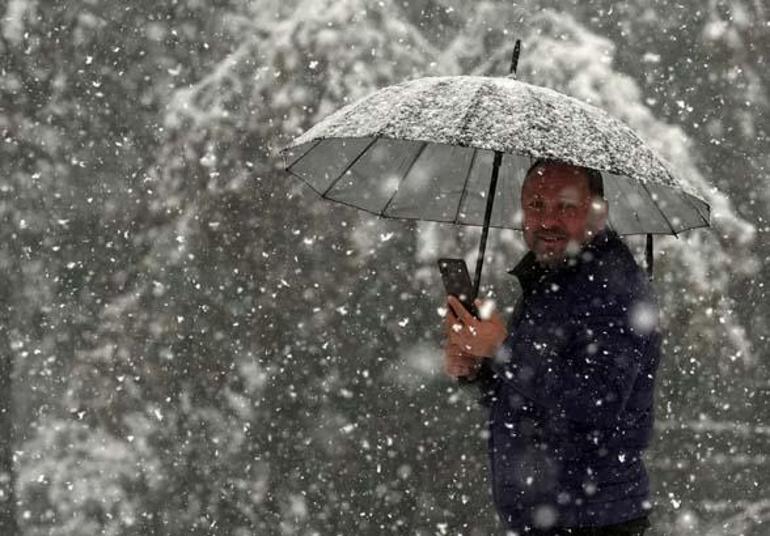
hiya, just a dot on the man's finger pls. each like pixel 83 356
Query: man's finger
pixel 452 323
pixel 450 316
pixel 450 320
pixel 463 367
pixel 461 312
pixel 458 369
pixel 455 338
pixel 453 350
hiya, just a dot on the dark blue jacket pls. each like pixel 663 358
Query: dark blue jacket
pixel 570 392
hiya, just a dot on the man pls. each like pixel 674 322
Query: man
pixel 569 382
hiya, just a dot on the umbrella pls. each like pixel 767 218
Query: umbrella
pixel 456 149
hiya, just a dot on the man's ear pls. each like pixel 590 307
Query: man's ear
pixel 599 213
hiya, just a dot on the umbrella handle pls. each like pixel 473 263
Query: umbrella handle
pixel 464 380
pixel 487 217
pixel 648 256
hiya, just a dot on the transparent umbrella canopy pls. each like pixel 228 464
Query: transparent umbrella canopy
pixel 456 149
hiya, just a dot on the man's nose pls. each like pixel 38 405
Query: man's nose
pixel 549 217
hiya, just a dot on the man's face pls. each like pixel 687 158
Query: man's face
pixel 559 215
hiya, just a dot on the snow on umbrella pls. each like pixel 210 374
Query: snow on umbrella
pixel 456 149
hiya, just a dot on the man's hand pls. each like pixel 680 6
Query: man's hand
pixel 457 364
pixel 475 338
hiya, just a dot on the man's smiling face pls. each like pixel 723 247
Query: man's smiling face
pixel 560 215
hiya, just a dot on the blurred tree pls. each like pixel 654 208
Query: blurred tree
pixel 82 89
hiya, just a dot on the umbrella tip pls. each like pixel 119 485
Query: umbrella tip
pixel 515 58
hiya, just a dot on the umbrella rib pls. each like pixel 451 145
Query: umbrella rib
pixel 687 197
pixel 697 210
pixel 621 184
pixel 347 168
pixel 406 174
pixel 306 183
pixel 609 224
pixel 659 209
pixel 303 155
pixel 465 185
pixel 471 112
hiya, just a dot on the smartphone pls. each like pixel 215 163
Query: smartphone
pixel 457 282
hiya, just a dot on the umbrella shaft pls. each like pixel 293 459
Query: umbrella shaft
pixel 487 217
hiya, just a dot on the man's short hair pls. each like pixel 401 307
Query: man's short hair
pixel 595 181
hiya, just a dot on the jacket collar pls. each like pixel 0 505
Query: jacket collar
pixel 528 270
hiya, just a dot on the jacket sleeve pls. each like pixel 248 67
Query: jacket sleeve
pixel 487 377
pixel 586 377
pixel 486 381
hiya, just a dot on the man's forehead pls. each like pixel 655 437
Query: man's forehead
pixel 568 192
pixel 560 179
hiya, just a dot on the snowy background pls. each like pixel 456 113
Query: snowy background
pixel 192 342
